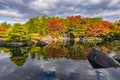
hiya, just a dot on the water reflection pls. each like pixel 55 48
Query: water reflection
pixel 57 69
pixel 19 55
pixel 53 51
pixel 53 62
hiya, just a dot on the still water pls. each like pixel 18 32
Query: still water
pixel 54 62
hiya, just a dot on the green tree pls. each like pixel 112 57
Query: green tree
pixel 97 19
pixel 73 24
pixel 77 25
pixel 4 24
pixel 42 27
pixel 32 25
pixel 115 33
pixel 18 33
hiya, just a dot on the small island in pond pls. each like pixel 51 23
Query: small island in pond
pixel 43 30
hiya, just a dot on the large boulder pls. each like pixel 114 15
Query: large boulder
pixel 14 44
pixel 41 43
pixel 91 40
pixel 47 39
pixel 99 60
pixel 29 43
pixel 2 43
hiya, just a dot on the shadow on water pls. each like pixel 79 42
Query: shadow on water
pixel 55 62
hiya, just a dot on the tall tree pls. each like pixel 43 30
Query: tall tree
pixel 100 28
pixel 115 33
pixel 42 27
pixel 32 25
pixel 77 25
pixel 73 24
pixel 56 27
pixel 18 33
pixel 4 24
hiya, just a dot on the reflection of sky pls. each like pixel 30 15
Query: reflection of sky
pixel 2 55
pixel 5 68
pixel 57 69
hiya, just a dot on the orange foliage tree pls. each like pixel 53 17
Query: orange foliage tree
pixel 100 28
pixel 55 27
pixel 3 29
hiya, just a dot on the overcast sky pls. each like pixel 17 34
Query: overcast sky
pixel 21 10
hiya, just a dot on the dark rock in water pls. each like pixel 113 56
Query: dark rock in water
pixel 14 44
pixel 2 43
pixel 29 43
pixel 19 44
pixel 99 60
pixel 41 43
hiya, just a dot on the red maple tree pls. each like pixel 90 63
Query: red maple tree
pixel 55 26
pixel 3 29
pixel 100 28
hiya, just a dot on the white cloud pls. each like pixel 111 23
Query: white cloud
pixel 12 22
pixel 2 21
pixel 12 13
pixel 111 16
pixel 13 1
pixel 113 2
pixel 62 8
pixel 107 13
pixel 18 1
pixel 42 4
pixel 71 1
pixel 95 1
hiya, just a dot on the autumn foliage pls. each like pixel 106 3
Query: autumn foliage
pixel 3 29
pixel 73 22
pixel 100 28
pixel 74 19
pixel 55 51
pixel 55 27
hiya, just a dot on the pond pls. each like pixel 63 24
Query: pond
pixel 54 62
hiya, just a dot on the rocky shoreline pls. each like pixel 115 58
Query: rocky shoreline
pixel 14 44
pixel 43 42
pixel 48 40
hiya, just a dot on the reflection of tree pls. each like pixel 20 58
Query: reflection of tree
pixel 76 52
pixel 7 50
pixel 18 33
pixel 33 52
pixel 110 46
pixel 38 52
pixel 56 51
pixel 19 56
